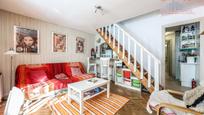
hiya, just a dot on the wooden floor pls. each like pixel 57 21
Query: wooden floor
pixel 136 105
pixel 173 84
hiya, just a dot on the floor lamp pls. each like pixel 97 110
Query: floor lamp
pixel 11 53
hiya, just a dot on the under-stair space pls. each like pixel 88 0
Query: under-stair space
pixel 142 63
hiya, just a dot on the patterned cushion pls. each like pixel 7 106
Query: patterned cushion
pixel 76 71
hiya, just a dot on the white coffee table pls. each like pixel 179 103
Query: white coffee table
pixel 76 90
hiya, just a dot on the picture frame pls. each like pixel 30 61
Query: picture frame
pixel 59 42
pixel 80 45
pixel 26 40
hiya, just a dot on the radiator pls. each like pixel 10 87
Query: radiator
pixel 1 87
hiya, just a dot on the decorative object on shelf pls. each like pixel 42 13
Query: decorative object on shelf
pixel 59 42
pixel 105 50
pixel 80 45
pixel 189 37
pixel 105 69
pixel 26 40
pixel 11 53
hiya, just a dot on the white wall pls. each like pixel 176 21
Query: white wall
pixel 7 22
pixel 149 30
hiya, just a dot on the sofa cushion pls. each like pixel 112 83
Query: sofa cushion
pixel 36 76
pixel 76 71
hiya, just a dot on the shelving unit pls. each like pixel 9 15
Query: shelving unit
pixel 91 66
pixel 131 83
pixel 189 39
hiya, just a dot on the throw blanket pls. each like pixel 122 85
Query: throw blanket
pixel 163 96
pixel 195 98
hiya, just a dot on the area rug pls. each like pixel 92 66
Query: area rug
pixel 99 105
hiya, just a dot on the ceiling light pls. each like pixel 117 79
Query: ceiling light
pixel 99 10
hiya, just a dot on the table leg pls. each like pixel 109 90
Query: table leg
pixel 69 93
pixel 108 89
pixel 81 104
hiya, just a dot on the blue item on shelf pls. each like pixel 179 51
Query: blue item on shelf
pixel 97 89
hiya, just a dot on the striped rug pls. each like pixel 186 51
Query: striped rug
pixel 99 105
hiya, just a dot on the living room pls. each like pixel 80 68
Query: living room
pixel 53 49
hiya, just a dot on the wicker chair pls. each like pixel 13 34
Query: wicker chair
pixel 175 107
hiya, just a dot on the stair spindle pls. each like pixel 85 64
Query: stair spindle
pixel 156 75
pixel 109 33
pixel 135 55
pixel 129 51
pixel 114 35
pixel 149 71
pixel 123 45
pixel 118 40
pixel 141 64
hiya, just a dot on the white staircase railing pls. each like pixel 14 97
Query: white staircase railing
pixel 141 55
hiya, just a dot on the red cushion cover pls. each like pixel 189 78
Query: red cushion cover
pixel 36 76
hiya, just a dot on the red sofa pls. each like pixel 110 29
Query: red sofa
pixel 36 73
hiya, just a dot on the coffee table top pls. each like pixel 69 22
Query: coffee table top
pixel 85 85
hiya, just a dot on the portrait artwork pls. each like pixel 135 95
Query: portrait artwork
pixel 26 40
pixel 59 42
pixel 80 45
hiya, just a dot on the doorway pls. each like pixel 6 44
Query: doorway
pixel 181 56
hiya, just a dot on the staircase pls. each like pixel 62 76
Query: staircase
pixel 143 64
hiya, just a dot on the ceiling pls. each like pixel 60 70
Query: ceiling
pixel 79 14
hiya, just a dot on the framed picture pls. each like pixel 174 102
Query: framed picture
pixel 26 40
pixel 59 42
pixel 80 45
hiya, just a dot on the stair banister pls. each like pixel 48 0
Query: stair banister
pixel 119 33
pixel 138 44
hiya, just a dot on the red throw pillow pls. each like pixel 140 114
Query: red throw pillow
pixel 36 76
pixel 75 71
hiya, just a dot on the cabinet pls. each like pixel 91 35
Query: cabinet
pixel 188 72
pixel 125 78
